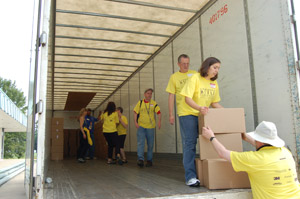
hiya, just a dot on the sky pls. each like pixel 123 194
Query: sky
pixel 16 17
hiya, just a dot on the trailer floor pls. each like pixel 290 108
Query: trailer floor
pixel 96 179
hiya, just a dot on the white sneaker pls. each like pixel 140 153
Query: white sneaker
pixel 193 182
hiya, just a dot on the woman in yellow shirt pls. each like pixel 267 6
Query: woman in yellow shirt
pixel 200 91
pixel 110 120
pixel 122 131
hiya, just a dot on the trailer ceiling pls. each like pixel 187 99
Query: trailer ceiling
pixel 99 44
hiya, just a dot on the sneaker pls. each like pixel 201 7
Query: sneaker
pixel 140 163
pixel 193 182
pixel 87 158
pixel 124 161
pixel 81 160
pixel 149 163
pixel 111 162
pixel 120 162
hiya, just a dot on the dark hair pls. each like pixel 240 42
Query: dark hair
pixel 120 108
pixel 110 108
pixel 148 89
pixel 89 109
pixel 182 55
pixel 206 65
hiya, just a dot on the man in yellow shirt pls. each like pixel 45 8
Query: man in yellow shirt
pixel 175 85
pixel 145 123
pixel 271 168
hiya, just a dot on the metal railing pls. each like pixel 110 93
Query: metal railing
pixel 9 172
pixel 11 109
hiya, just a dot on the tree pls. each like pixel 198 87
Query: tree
pixel 16 95
pixel 14 143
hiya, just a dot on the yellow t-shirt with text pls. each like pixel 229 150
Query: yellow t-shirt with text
pixel 110 122
pixel 121 129
pixel 146 111
pixel 202 91
pixel 175 85
pixel 271 170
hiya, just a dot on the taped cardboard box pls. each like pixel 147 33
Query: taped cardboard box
pixel 219 174
pixel 57 149
pixel 199 170
pixel 57 123
pixel 232 142
pixel 224 120
pixel 57 139
pixel 57 156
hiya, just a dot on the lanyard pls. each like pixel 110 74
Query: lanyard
pixel 148 111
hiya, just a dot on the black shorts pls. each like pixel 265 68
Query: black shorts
pixel 121 139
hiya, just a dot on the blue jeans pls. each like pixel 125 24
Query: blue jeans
pixel 91 150
pixel 189 135
pixel 142 134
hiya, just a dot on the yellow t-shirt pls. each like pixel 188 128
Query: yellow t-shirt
pixel 121 129
pixel 202 91
pixel 110 122
pixel 146 111
pixel 271 171
pixel 175 85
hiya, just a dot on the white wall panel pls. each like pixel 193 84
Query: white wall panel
pixel 126 112
pixel 226 39
pixel 188 42
pixel 133 99
pixel 166 136
pixel 146 79
pixel 117 98
pixel 271 65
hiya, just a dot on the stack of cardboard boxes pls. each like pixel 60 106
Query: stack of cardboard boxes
pixel 213 172
pixel 57 139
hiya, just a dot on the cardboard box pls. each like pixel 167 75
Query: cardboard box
pixel 58 139
pixel 57 156
pixel 56 130
pixel 57 149
pixel 57 121
pixel 219 174
pixel 199 170
pixel 232 142
pixel 224 120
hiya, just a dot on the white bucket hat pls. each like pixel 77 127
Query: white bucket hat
pixel 266 132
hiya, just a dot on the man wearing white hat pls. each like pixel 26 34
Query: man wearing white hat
pixel 271 168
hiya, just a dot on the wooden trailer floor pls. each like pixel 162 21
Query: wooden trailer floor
pixel 97 180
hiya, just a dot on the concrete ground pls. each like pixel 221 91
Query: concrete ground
pixel 14 188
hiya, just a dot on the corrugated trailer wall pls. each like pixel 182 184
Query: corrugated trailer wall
pixel 253 41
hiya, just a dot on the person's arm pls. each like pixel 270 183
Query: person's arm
pixel 121 121
pixel 221 150
pixel 81 121
pixel 171 108
pixel 159 120
pixel 249 139
pixel 135 118
pixel 216 105
pixel 203 110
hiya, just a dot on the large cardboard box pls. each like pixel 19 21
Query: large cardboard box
pixel 199 170
pixel 232 142
pixel 58 139
pixel 57 156
pixel 224 120
pixel 219 174
pixel 57 148
pixel 57 123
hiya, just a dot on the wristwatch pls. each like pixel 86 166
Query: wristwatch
pixel 211 139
